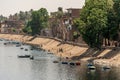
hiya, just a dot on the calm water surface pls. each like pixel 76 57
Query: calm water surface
pixel 43 68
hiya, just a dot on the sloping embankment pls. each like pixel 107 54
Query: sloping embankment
pixel 53 45
pixel 110 55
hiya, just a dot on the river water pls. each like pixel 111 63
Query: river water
pixel 43 68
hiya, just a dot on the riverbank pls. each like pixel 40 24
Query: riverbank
pixel 55 46
pixel 108 56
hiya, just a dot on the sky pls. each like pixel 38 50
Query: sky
pixel 8 7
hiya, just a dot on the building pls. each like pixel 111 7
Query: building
pixel 11 26
pixel 72 13
pixel 63 28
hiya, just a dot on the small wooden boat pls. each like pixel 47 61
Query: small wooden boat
pixel 91 67
pixel 106 68
pixel 78 63
pixel 55 62
pixel 64 62
pixel 21 48
pixel 71 63
pixel 26 49
pixel 31 49
pixel 23 56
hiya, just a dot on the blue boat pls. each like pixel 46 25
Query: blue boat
pixel 90 66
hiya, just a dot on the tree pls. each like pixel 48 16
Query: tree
pixel 59 13
pixel 92 21
pixel 116 8
pixel 39 21
pixel 43 18
pixel 110 33
pixel 27 29
pixel 22 15
pixel 2 18
pixel 34 23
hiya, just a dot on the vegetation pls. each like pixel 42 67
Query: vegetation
pixel 22 16
pixel 2 18
pixel 27 29
pixel 116 8
pixel 92 21
pixel 98 20
pixel 39 20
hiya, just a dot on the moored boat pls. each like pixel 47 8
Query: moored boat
pixel 23 56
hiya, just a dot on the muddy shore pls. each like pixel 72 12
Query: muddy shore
pixel 107 56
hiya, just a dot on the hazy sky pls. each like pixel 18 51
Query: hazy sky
pixel 8 7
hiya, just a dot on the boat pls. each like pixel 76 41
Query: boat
pixel 26 49
pixel 23 56
pixel 64 62
pixel 21 48
pixel 71 63
pixel 55 62
pixel 91 66
pixel 78 63
pixel 31 49
pixel 104 68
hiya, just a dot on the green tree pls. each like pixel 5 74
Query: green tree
pixel 34 23
pixel 22 15
pixel 112 29
pixel 92 21
pixel 2 18
pixel 27 29
pixel 109 32
pixel 39 20
pixel 59 13
pixel 116 8
pixel 43 18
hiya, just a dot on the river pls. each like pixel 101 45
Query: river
pixel 42 67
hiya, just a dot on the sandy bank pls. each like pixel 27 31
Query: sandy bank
pixel 48 44
pixel 109 56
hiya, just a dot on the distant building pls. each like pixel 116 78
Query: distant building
pixel 11 26
pixel 64 29
pixel 74 12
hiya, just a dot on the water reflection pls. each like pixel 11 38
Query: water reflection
pixel 43 68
